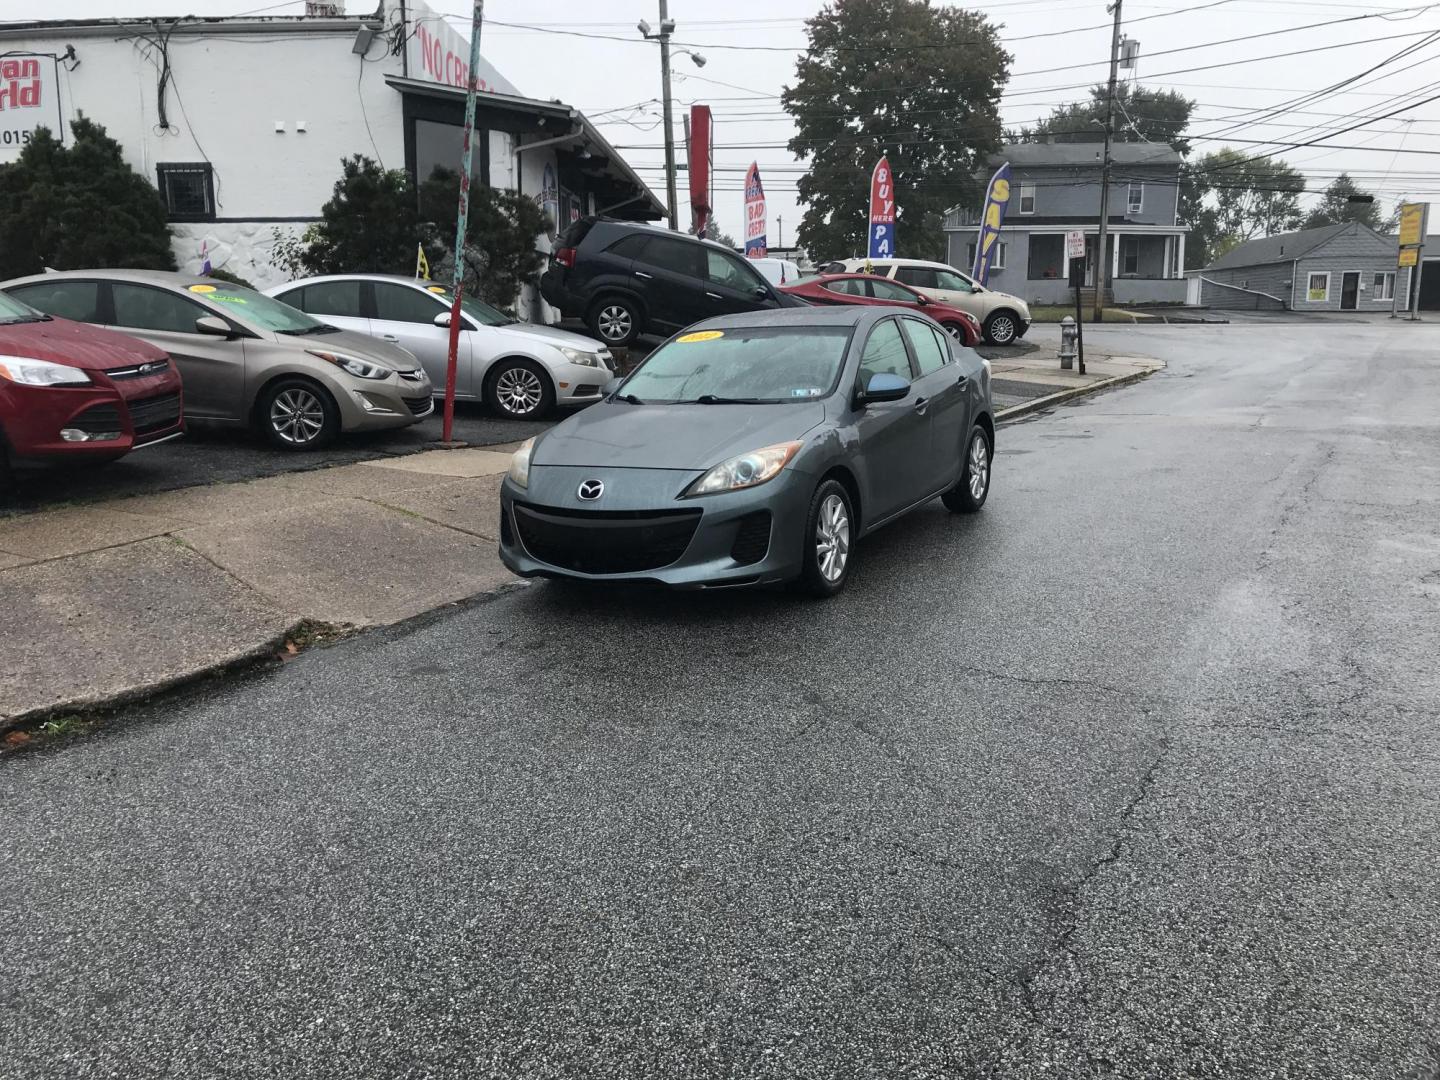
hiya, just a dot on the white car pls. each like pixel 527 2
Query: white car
pixel 1003 318
pixel 778 271
pixel 519 369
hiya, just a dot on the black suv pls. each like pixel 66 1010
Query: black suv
pixel 625 279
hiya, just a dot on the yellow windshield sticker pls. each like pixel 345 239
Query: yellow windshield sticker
pixel 700 335
pixel 202 288
pixel 435 288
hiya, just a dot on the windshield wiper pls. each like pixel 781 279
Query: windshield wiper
pixel 27 319
pixel 323 328
pixel 716 399
pixel 630 399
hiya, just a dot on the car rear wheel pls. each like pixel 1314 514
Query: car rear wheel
pixel 615 320
pixel 1002 327
pixel 298 415
pixel 520 389
pixel 829 534
pixel 969 494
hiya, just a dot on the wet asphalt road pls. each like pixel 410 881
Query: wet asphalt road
pixel 1136 774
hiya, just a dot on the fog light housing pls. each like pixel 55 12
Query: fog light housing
pixel 372 405
pixel 71 434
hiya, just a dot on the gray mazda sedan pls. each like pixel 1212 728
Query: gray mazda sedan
pixel 753 449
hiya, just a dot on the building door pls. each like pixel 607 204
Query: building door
pixel 1349 291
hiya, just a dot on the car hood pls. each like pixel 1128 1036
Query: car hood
pixel 688 437
pixel 553 335
pixel 64 342
pixel 362 345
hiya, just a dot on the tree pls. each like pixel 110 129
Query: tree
pixel 77 206
pixel 1335 206
pixel 1228 197
pixel 500 252
pixel 714 232
pixel 917 83
pixel 1141 115
pixel 370 225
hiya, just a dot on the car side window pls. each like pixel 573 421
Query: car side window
pixel 946 342
pixel 675 256
pixel 340 298
pixel 398 303
pixel 883 269
pixel 78 300
pixel 922 277
pixel 139 307
pixel 884 354
pixel 948 279
pixel 730 271
pixel 888 290
pixel 628 247
pixel 848 286
pixel 929 355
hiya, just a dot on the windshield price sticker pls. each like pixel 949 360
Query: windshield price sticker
pixel 699 335
pixel 202 288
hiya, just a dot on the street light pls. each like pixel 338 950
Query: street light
pixel 667 27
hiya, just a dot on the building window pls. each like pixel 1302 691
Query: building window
pixel 1384 287
pixel 1317 288
pixel 1130 256
pixel 188 191
pixel 1027 198
pixel 996 263
pixel 1135 203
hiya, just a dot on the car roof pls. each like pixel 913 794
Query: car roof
pixel 168 278
pixel 904 262
pixel 661 230
pixel 398 279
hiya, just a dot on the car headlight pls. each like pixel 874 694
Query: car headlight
pixel 746 470
pixel 361 369
pixel 32 372
pixel 520 464
pixel 584 359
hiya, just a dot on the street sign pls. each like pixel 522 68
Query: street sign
pixel 1412 225
pixel 1409 256
pixel 1075 244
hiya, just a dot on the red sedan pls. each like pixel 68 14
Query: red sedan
pixel 872 289
pixel 74 392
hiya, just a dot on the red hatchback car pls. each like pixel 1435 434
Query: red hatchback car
pixel 873 289
pixel 76 392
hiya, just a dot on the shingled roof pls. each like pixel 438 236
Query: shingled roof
pixel 1282 247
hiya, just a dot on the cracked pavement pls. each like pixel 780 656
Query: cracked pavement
pixel 1133 775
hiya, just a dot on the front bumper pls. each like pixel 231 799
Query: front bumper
pixel 36 420
pixel 752 537
pixel 378 404
pixel 579 384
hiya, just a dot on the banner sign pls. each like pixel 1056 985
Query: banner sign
pixel 436 52
pixel 754 214
pixel 1412 224
pixel 29 99
pixel 702 160
pixel 997 196
pixel 882 212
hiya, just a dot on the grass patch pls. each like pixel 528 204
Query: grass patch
pixel 1054 313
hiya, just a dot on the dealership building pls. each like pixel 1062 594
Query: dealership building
pixel 242 122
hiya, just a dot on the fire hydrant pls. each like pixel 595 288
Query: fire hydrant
pixel 1069 333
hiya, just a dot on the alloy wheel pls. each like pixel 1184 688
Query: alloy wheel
pixel 1002 329
pixel 297 415
pixel 614 322
pixel 519 391
pixel 832 538
pixel 979 466
pixel 953 329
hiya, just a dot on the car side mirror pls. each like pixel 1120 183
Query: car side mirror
pixel 443 321
pixel 885 387
pixel 924 300
pixel 214 326
pixel 760 292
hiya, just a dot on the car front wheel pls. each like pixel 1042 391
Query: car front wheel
pixel 297 415
pixel 615 321
pixel 829 534
pixel 1001 328
pixel 955 330
pixel 520 389
pixel 969 494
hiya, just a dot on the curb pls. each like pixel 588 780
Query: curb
pixel 1037 404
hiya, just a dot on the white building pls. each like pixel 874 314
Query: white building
pixel 242 123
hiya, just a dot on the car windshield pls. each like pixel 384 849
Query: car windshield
pixel 13 311
pixel 742 364
pixel 478 310
pixel 263 311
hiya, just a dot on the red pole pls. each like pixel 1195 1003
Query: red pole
pixel 458 280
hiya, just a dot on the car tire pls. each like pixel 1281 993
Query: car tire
pixel 955 330
pixel 298 415
pixel 519 389
pixel 615 320
pixel 973 488
pixel 829 538
pixel 1002 327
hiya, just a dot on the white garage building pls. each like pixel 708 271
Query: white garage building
pixel 242 123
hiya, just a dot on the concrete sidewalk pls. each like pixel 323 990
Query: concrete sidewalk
pixel 111 601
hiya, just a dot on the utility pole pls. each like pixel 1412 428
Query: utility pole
pixel 667 27
pixel 780 228
pixel 1102 260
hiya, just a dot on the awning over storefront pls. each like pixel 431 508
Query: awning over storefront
pixel 586 161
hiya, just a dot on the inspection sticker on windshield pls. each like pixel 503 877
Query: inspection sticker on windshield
pixel 806 391
pixel 700 335
pixel 230 299
pixel 202 288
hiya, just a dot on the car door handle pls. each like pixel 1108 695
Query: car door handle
pixel 714 296
pixel 921 404
pixel 640 273
pixel 388 337
pixel 963 381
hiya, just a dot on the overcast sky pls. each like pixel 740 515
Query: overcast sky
pixel 621 78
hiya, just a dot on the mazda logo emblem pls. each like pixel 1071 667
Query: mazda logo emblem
pixel 590 490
